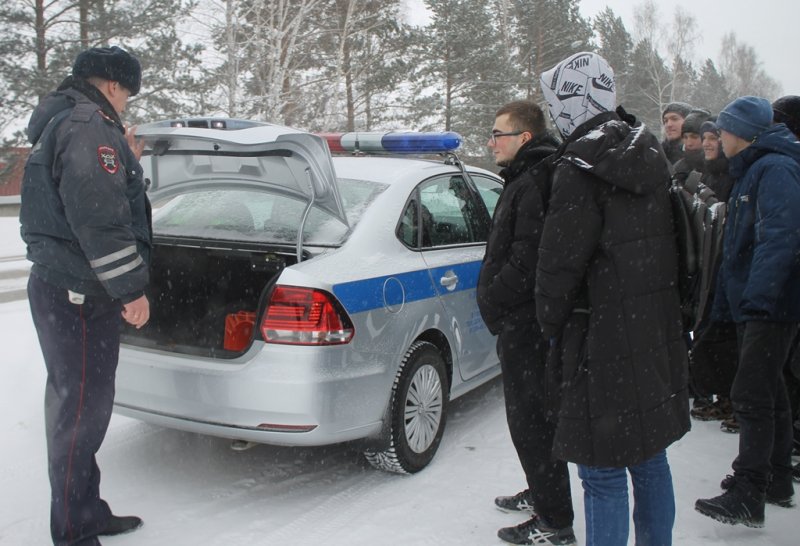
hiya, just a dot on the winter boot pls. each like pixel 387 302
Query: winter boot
pixel 796 472
pixel 521 502
pixel 780 492
pixel 537 531
pixel 741 503
pixel 718 411
pixel 730 425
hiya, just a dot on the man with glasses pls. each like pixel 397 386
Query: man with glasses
pixel 521 145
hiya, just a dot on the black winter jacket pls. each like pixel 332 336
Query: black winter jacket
pixel 84 216
pixel 673 150
pixel 717 177
pixel 606 288
pixel 508 272
pixel 691 161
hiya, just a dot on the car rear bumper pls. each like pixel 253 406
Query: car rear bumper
pixel 273 394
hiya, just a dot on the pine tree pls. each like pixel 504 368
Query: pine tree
pixel 647 85
pixel 40 41
pixel 549 31
pixel 616 47
pixel 459 81
pixel 711 90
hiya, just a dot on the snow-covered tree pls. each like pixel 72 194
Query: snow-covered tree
pixel 40 40
pixel 742 69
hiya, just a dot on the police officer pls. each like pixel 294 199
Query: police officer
pixel 86 221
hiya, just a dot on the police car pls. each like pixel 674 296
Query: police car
pixel 304 299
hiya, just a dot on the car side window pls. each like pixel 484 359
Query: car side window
pixel 489 190
pixel 455 214
pixel 408 230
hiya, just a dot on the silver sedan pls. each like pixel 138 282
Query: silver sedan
pixel 304 299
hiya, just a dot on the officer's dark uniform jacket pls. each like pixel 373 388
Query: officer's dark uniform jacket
pixel 508 272
pixel 759 278
pixel 84 217
pixel 606 288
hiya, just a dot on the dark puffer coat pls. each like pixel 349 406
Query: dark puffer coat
pixel 606 288
pixel 759 278
pixel 717 177
pixel 508 272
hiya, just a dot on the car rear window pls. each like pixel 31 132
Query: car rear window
pixel 258 216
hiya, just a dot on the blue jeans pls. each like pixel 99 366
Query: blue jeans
pixel 605 501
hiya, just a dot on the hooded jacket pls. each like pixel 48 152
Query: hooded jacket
pixel 84 216
pixel 759 278
pixel 508 271
pixel 606 294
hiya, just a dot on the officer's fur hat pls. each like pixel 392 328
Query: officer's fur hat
pixel 110 63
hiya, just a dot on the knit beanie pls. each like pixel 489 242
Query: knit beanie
pixel 709 126
pixel 577 89
pixel 746 117
pixel 693 121
pixel 110 63
pixel 680 108
pixel 787 110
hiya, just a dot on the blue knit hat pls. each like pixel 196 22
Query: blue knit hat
pixel 746 117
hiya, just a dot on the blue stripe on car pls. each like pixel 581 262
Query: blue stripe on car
pixel 367 294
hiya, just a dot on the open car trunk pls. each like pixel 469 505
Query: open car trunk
pixel 206 301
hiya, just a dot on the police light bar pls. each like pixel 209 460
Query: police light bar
pixel 408 142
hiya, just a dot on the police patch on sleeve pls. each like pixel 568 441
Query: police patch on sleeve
pixel 108 159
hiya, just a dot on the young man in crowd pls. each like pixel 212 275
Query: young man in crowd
pixel 606 298
pixel 786 110
pixel 86 221
pixel 672 119
pixel 521 144
pixel 692 142
pixel 759 289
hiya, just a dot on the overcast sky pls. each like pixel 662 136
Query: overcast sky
pixel 770 26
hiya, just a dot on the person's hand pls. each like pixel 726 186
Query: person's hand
pixel 137 312
pixel 137 145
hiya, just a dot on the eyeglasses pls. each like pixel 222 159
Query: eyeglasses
pixel 494 136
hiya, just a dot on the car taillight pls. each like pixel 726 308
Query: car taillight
pixel 305 316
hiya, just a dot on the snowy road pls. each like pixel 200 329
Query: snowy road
pixel 194 490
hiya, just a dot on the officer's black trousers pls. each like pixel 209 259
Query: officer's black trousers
pixel 761 403
pixel 80 344
pixel 522 353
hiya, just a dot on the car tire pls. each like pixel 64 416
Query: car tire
pixel 418 412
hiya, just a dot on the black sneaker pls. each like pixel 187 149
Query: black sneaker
pixel 779 492
pixel 521 502
pixel 536 531
pixel 741 503
pixel 118 525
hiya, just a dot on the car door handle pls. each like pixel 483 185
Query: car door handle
pixel 449 280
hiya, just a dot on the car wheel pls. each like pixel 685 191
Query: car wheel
pixel 418 412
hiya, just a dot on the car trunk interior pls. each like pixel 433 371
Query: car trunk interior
pixel 204 300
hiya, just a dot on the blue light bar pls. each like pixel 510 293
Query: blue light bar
pixel 421 142
pixel 408 142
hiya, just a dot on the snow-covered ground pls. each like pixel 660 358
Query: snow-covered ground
pixel 194 490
